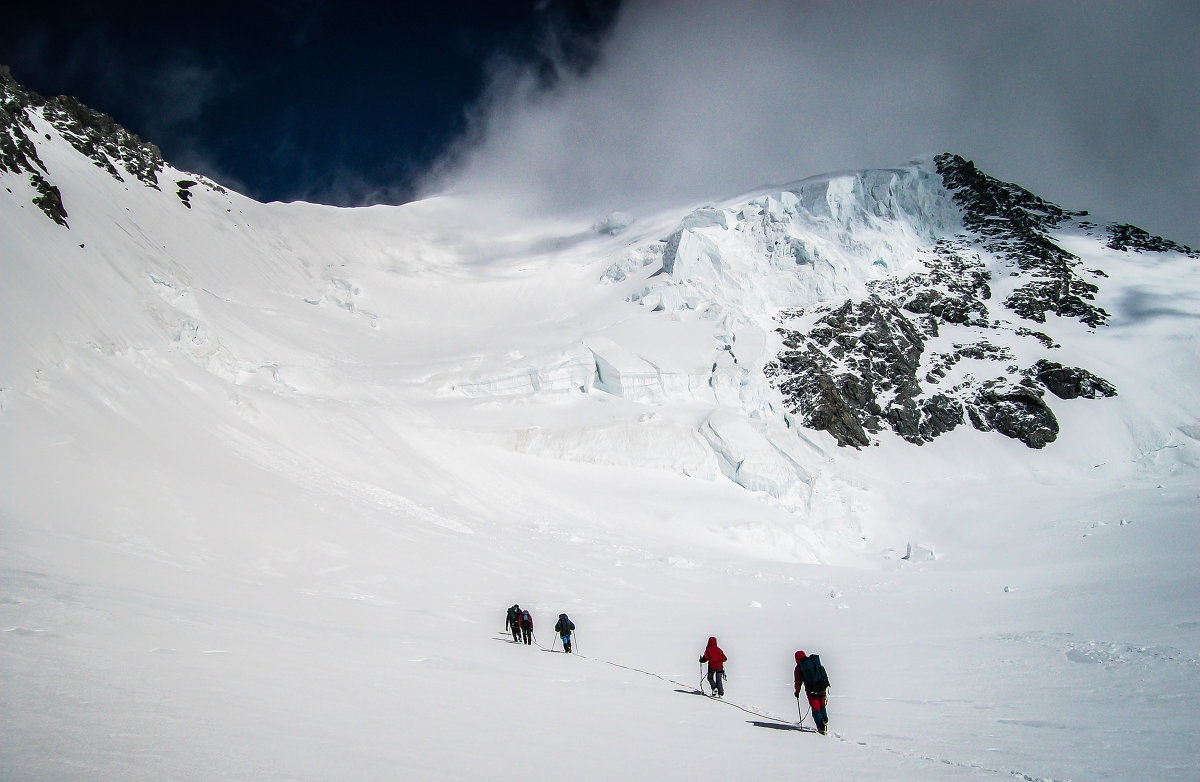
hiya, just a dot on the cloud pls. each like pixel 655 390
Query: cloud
pixel 1092 105
pixel 160 92
pixel 344 185
pixel 192 154
pixel 179 92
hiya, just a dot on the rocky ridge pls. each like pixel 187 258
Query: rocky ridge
pixel 866 365
pixel 919 346
pixel 1125 237
pixel 93 134
pixel 1014 225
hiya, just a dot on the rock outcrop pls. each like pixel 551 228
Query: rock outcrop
pixel 864 366
pixel 1071 382
pixel 917 344
pixel 109 146
pixel 1015 225
pixel 1127 237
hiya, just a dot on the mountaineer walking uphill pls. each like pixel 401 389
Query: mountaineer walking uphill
pixel 566 629
pixel 716 667
pixel 811 677
pixel 512 623
pixel 713 655
pixel 526 626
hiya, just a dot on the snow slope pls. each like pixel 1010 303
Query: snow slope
pixel 270 475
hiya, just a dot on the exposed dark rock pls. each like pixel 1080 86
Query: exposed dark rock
pixel 1041 337
pixel 104 141
pixel 1071 382
pixel 921 423
pixel 953 288
pixel 879 351
pixel 838 408
pixel 94 134
pixel 1015 224
pixel 49 200
pixel 837 405
pixel 941 363
pixel 1127 237
pixel 939 414
pixel 869 355
pixel 17 151
pixel 1065 295
pixel 862 367
pixel 1014 410
pixel 834 376
pixel 184 192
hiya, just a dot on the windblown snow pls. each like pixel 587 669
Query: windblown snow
pixel 270 475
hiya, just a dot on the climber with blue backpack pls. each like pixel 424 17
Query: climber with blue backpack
pixel 526 626
pixel 811 677
pixel 566 630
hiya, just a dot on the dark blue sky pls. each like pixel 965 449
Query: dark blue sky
pixel 339 102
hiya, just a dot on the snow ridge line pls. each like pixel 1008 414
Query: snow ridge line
pixel 1019 775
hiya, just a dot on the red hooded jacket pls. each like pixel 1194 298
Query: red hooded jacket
pixel 799 679
pixel 714 656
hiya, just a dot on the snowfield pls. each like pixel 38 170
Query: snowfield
pixel 270 475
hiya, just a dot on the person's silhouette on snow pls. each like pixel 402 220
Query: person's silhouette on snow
pixel 716 667
pixel 565 627
pixel 513 622
pixel 810 675
pixel 527 626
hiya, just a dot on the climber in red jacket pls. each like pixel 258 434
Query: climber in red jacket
pixel 716 667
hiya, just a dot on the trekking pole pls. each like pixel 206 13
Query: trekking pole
pixel 802 715
pixel 701 687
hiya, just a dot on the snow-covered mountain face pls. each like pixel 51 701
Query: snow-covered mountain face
pixel 883 283
pixel 902 302
pixel 91 133
pixel 256 442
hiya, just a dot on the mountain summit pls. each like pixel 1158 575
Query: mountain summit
pixel 882 285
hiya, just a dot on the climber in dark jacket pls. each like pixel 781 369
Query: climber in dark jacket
pixel 513 622
pixel 527 626
pixel 811 677
pixel 565 627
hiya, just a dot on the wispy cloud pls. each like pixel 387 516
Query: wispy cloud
pixel 1091 104
pixel 179 92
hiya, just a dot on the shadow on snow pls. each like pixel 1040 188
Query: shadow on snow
pixel 781 726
